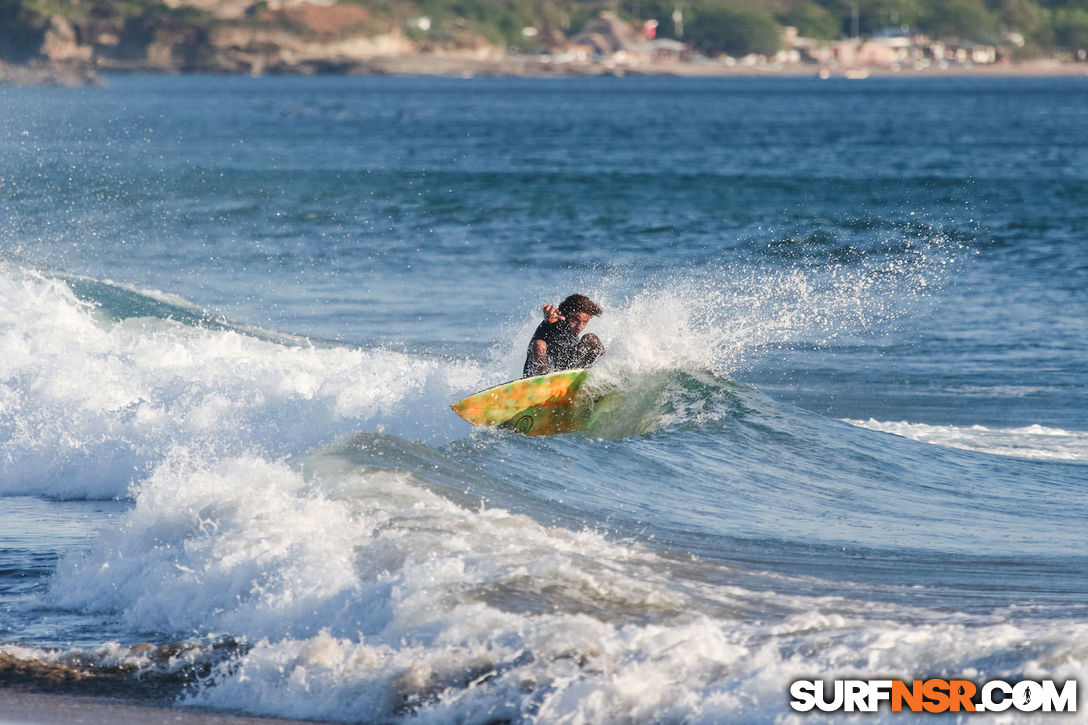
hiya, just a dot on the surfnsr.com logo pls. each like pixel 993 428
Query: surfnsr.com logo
pixel 933 695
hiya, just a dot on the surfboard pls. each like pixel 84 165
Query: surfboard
pixel 540 405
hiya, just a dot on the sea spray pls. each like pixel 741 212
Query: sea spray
pixel 725 316
pixel 90 403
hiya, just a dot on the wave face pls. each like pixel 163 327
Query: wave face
pixel 848 444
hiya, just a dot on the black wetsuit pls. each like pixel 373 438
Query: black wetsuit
pixel 564 352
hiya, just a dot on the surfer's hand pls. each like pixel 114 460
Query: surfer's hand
pixel 551 313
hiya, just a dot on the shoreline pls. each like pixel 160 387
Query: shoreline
pixel 421 64
pixel 33 707
pixel 533 68
pixel 38 692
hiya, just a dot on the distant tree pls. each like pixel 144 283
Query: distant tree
pixel 812 21
pixel 1030 21
pixel 22 30
pixel 499 21
pixel 880 14
pixel 1064 4
pixel 718 27
pixel 965 19
pixel 874 15
pixel 1022 16
pixel 1071 28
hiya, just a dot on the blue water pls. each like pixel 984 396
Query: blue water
pixel 846 329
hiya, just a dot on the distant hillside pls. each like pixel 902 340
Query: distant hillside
pixel 328 35
pixel 1031 26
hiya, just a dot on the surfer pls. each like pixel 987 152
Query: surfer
pixel 555 344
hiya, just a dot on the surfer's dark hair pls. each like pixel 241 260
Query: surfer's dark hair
pixel 579 303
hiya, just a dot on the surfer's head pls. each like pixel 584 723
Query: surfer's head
pixel 577 311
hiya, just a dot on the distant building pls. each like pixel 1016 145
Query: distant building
pixel 669 49
pixel 976 53
pixel 884 51
pixel 890 51
pixel 610 37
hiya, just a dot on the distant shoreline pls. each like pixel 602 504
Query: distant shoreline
pixel 532 67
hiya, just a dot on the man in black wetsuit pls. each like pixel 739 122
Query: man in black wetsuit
pixel 556 345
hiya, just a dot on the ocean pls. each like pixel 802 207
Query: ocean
pixel 846 330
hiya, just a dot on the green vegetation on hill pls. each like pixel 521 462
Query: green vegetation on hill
pixel 743 26
pixel 740 26
pixel 498 21
pixel 23 22
pixel 736 27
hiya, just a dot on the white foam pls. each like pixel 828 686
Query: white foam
pixel 86 405
pixel 362 596
pixel 1034 441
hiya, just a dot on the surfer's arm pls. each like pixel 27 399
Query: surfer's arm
pixel 537 363
pixel 551 314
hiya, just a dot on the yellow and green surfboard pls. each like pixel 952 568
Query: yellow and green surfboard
pixel 540 405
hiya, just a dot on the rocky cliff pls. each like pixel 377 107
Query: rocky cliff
pixel 228 36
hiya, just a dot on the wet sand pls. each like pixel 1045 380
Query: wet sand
pixel 18 707
pixel 36 692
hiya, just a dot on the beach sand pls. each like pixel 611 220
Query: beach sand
pixel 37 692
pixel 21 707
pixel 533 66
